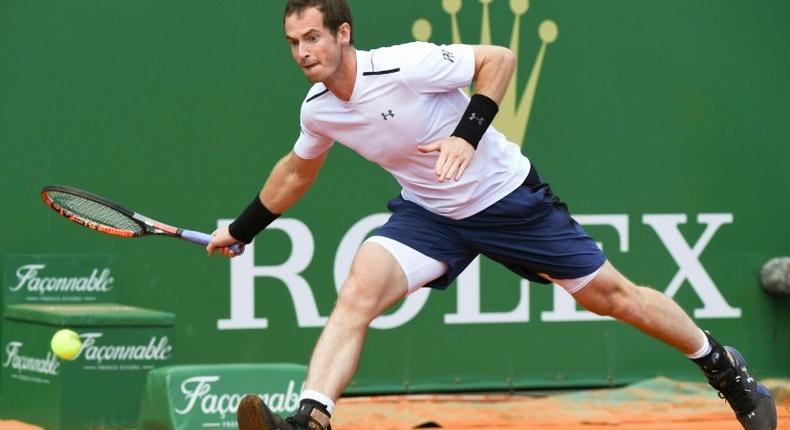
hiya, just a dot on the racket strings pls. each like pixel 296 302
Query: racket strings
pixel 94 211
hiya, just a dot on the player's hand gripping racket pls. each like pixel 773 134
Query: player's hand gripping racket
pixel 102 215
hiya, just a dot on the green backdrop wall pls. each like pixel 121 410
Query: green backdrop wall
pixel 664 124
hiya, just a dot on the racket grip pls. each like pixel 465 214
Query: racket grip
pixel 203 239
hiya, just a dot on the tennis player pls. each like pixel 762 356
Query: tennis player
pixel 466 190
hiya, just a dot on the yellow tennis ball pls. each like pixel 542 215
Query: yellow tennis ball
pixel 66 344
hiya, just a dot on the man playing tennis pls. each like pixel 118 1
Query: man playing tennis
pixel 466 191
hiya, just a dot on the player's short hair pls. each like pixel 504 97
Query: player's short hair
pixel 336 12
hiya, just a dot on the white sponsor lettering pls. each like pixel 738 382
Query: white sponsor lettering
pixel 21 363
pixel 687 259
pixel 686 256
pixel 198 390
pixel 29 277
pixel 157 349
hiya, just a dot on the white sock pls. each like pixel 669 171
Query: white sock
pixel 705 350
pixel 320 398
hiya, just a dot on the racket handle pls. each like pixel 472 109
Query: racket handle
pixel 203 239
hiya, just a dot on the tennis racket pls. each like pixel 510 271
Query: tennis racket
pixel 103 215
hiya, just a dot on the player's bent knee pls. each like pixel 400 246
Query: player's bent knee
pixel 352 294
pixel 360 298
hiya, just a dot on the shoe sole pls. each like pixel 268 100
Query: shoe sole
pixel 254 415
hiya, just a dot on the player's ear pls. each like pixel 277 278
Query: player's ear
pixel 344 34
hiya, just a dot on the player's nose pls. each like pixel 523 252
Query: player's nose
pixel 303 52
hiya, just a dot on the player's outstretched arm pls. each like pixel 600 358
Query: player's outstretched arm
pixel 290 178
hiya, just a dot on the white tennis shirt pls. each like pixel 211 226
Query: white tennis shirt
pixel 409 95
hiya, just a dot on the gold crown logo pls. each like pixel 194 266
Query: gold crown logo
pixel 513 116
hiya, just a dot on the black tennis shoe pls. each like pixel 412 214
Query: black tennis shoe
pixel 253 414
pixel 726 371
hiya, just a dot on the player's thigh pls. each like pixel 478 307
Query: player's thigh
pixel 375 280
pixel 419 269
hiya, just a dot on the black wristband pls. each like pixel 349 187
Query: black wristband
pixel 252 220
pixel 476 119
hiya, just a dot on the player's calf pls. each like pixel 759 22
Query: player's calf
pixel 726 371
pixel 253 414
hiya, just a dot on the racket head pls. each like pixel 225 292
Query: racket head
pixel 92 211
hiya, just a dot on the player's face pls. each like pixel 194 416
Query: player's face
pixel 314 48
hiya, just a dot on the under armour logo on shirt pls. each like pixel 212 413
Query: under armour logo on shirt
pixel 388 113
pixel 474 117
pixel 449 56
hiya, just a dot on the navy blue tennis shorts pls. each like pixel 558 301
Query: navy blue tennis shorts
pixel 529 231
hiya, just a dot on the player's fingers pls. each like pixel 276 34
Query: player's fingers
pixel 448 169
pixel 445 172
pixel 456 157
pixel 461 169
pixel 212 244
pixel 440 163
pixel 431 147
pixel 451 167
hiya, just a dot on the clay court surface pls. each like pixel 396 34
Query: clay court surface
pixel 658 404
